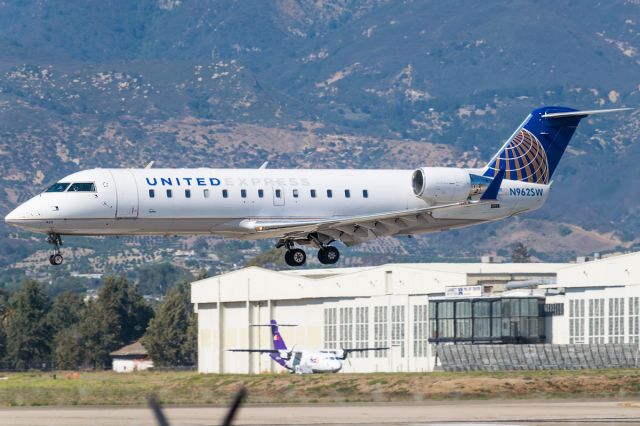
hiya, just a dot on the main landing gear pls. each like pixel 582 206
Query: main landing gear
pixel 56 258
pixel 327 255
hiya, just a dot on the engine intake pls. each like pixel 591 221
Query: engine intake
pixel 443 185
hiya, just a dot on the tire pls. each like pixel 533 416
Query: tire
pixel 56 259
pixel 328 255
pixel 295 257
pixel 51 260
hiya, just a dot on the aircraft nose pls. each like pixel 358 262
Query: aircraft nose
pixel 24 216
pixel 13 217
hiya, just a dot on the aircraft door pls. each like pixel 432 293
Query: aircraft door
pixel 278 196
pixel 126 193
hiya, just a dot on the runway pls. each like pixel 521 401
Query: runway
pixel 539 412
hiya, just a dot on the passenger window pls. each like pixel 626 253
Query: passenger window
pixel 313 193
pixel 295 193
pixel 187 193
pixel 58 187
pixel 260 193
pixel 225 193
pixel 278 193
pixel 329 193
pixel 206 193
pixel 169 193
pixel 243 193
pixel 365 193
pixel 82 187
pixel 347 193
pixel 152 193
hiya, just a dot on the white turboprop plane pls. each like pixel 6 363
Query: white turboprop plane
pixel 306 207
pixel 304 361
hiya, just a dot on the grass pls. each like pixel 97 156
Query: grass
pixel 179 388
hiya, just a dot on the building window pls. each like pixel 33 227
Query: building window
pixel 380 330
pixel 482 319
pixel 225 193
pixel 187 193
pixel 243 193
pixel 463 319
pixel 576 321
pixel 295 193
pixel 313 193
pixel 347 193
pixel 420 331
pixel 330 328
pixel 397 327
pixel 365 193
pixel 362 331
pixel 596 320
pixel 206 193
pixel 346 327
pixel 169 193
pixel 634 319
pixel 616 320
pixel 329 193
pixel 152 193
pixel 260 193
pixel 445 327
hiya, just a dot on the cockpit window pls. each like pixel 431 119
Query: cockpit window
pixel 82 187
pixel 58 187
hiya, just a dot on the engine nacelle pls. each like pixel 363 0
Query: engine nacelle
pixel 442 185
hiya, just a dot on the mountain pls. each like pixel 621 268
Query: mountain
pixel 335 83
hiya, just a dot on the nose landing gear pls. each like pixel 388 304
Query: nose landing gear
pixel 56 258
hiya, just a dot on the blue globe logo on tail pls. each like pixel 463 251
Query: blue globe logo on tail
pixel 534 151
pixel 523 159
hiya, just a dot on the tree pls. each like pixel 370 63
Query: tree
pixel 520 254
pixel 28 328
pixel 171 338
pixel 119 316
pixel 67 311
pixel 156 279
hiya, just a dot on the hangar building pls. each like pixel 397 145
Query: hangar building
pixel 413 307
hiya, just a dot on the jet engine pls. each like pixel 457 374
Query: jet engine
pixel 444 185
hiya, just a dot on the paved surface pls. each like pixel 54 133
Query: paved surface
pixel 466 412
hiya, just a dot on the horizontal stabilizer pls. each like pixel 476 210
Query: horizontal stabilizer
pixel 262 351
pixel 271 325
pixel 492 190
pixel 582 113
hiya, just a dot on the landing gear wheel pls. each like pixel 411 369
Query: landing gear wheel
pixel 328 255
pixel 295 257
pixel 56 241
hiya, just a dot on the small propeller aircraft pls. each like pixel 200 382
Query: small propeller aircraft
pixel 304 361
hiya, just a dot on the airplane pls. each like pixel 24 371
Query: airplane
pixel 304 361
pixel 306 207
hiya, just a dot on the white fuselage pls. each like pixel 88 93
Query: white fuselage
pixel 309 362
pixel 225 202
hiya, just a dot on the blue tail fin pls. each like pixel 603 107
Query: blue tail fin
pixel 534 150
pixel 278 343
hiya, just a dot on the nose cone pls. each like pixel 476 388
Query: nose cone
pixel 24 216
pixel 13 217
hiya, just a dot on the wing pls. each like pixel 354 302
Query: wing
pixel 349 350
pixel 351 229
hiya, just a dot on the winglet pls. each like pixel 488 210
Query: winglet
pixel 492 190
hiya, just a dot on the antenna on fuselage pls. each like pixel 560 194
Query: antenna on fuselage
pixel 264 165
pixel 149 165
